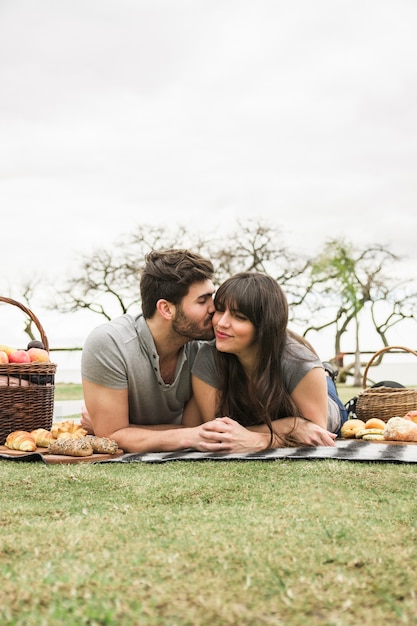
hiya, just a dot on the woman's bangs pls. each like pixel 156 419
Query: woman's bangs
pixel 236 297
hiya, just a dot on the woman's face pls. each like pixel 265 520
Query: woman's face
pixel 234 332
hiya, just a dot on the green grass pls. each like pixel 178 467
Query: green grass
pixel 65 391
pixel 208 544
pixel 68 391
pixel 323 543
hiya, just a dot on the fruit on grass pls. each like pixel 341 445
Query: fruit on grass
pixel 19 356
pixel 38 355
pixel 3 357
pixel 351 427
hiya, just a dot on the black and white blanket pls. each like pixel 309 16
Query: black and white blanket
pixel 344 450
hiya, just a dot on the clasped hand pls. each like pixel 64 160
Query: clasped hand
pixel 227 436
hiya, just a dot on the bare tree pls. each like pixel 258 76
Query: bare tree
pixel 346 282
pixel 107 282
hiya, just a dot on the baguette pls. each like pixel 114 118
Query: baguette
pixel 102 445
pixel 21 440
pixel 70 447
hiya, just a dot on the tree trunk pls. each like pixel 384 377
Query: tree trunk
pixel 357 378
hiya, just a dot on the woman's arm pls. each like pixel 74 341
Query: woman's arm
pixel 206 398
pixel 311 396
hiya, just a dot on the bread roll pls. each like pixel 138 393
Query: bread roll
pixel 400 429
pixel 70 447
pixel 411 415
pixel 351 427
pixel 102 445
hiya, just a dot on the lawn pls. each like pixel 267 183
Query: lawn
pixel 208 543
pixel 204 543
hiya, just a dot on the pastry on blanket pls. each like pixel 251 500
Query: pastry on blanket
pixel 102 445
pixel 367 432
pixel 400 429
pixel 70 428
pixel 42 437
pixel 21 440
pixel 351 427
pixel 375 422
pixel 70 447
pixel 411 415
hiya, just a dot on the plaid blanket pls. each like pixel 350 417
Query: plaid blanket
pixel 344 450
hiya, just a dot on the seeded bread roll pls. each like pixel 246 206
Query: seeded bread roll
pixel 102 445
pixel 70 447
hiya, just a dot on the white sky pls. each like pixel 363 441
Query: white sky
pixel 202 112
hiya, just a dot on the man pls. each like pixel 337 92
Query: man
pixel 136 370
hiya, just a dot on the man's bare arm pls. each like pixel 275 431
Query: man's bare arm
pixel 107 410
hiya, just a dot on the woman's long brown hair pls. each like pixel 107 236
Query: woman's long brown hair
pixel 263 398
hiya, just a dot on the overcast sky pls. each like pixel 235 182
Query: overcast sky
pixel 116 112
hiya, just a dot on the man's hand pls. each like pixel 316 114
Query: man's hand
pixel 86 421
pixel 225 435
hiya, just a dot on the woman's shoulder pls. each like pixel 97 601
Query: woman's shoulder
pixel 297 350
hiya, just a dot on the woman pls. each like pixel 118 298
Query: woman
pixel 265 385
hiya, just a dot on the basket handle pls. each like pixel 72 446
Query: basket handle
pixel 377 354
pixel 32 316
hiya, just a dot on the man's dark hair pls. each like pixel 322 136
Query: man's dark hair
pixel 168 274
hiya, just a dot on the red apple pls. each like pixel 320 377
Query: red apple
pixel 3 357
pixel 19 356
pixel 38 355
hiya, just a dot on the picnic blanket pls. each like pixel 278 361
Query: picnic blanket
pixel 344 450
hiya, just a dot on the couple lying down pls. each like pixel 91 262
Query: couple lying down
pixel 151 384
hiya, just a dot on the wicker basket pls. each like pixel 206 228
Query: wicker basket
pixel 26 389
pixel 385 402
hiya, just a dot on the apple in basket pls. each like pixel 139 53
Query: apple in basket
pixel 7 349
pixel 19 356
pixel 3 357
pixel 38 355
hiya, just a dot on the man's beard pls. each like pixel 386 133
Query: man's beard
pixel 183 326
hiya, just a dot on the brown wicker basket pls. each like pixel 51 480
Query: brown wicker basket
pixel 385 402
pixel 27 389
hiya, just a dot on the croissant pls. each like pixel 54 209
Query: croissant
pixel 69 428
pixel 70 447
pixel 21 440
pixel 42 437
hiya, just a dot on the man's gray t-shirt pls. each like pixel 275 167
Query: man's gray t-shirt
pixel 121 354
pixel 297 361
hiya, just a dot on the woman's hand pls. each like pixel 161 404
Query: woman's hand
pixel 297 431
pixel 227 436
